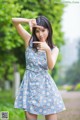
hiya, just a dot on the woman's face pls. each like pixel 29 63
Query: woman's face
pixel 41 34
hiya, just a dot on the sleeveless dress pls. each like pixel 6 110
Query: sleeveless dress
pixel 38 93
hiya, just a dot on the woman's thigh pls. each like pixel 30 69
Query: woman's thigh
pixel 30 116
pixel 51 117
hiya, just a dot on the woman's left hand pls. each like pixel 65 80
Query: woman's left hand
pixel 42 45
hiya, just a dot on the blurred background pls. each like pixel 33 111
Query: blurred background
pixel 65 20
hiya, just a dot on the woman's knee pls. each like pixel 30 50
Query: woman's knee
pixel 30 116
pixel 51 117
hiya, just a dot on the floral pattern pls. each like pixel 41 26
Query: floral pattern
pixel 38 93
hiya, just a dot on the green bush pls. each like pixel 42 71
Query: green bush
pixel 69 88
pixel 77 88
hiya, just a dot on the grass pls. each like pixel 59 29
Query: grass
pixel 71 100
pixel 6 101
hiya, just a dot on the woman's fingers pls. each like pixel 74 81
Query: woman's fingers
pixel 38 26
pixel 36 42
pixel 39 45
pixel 32 23
pixel 30 28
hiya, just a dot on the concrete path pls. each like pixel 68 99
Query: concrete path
pixel 72 103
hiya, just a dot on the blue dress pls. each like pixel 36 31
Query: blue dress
pixel 38 93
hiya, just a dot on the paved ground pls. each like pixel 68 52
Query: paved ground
pixel 72 103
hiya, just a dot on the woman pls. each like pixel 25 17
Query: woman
pixel 38 93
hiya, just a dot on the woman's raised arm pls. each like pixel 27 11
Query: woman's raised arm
pixel 22 32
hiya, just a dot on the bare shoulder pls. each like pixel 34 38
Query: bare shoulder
pixel 55 49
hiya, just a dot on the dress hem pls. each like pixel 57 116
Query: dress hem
pixel 41 113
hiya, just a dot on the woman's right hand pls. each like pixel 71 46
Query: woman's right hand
pixel 32 23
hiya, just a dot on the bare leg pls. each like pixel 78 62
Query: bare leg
pixel 51 117
pixel 30 116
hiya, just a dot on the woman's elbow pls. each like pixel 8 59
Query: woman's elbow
pixel 51 67
pixel 13 19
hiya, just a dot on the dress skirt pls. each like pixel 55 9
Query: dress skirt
pixel 38 94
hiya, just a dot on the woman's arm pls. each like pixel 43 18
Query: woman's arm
pixel 52 57
pixel 22 32
pixel 50 54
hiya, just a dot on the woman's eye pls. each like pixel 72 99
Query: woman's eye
pixel 37 31
pixel 43 30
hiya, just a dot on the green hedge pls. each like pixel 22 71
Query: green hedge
pixel 77 88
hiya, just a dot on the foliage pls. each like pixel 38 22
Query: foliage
pixel 54 13
pixel 8 9
pixel 69 88
pixel 11 45
pixel 8 105
pixel 77 88
pixel 73 73
pixel 72 87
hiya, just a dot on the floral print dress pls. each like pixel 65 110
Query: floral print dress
pixel 38 93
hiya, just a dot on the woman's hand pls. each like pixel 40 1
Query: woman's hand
pixel 32 23
pixel 42 46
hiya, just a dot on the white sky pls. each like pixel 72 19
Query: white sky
pixel 71 28
pixel 71 21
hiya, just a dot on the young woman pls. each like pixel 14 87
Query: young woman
pixel 38 93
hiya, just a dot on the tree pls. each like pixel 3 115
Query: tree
pixel 8 9
pixel 11 45
pixel 54 13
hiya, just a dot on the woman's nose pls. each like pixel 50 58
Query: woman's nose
pixel 40 33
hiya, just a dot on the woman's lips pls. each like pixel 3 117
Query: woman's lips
pixel 40 37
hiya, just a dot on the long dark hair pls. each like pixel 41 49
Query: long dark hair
pixel 43 21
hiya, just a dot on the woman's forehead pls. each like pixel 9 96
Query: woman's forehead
pixel 42 28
